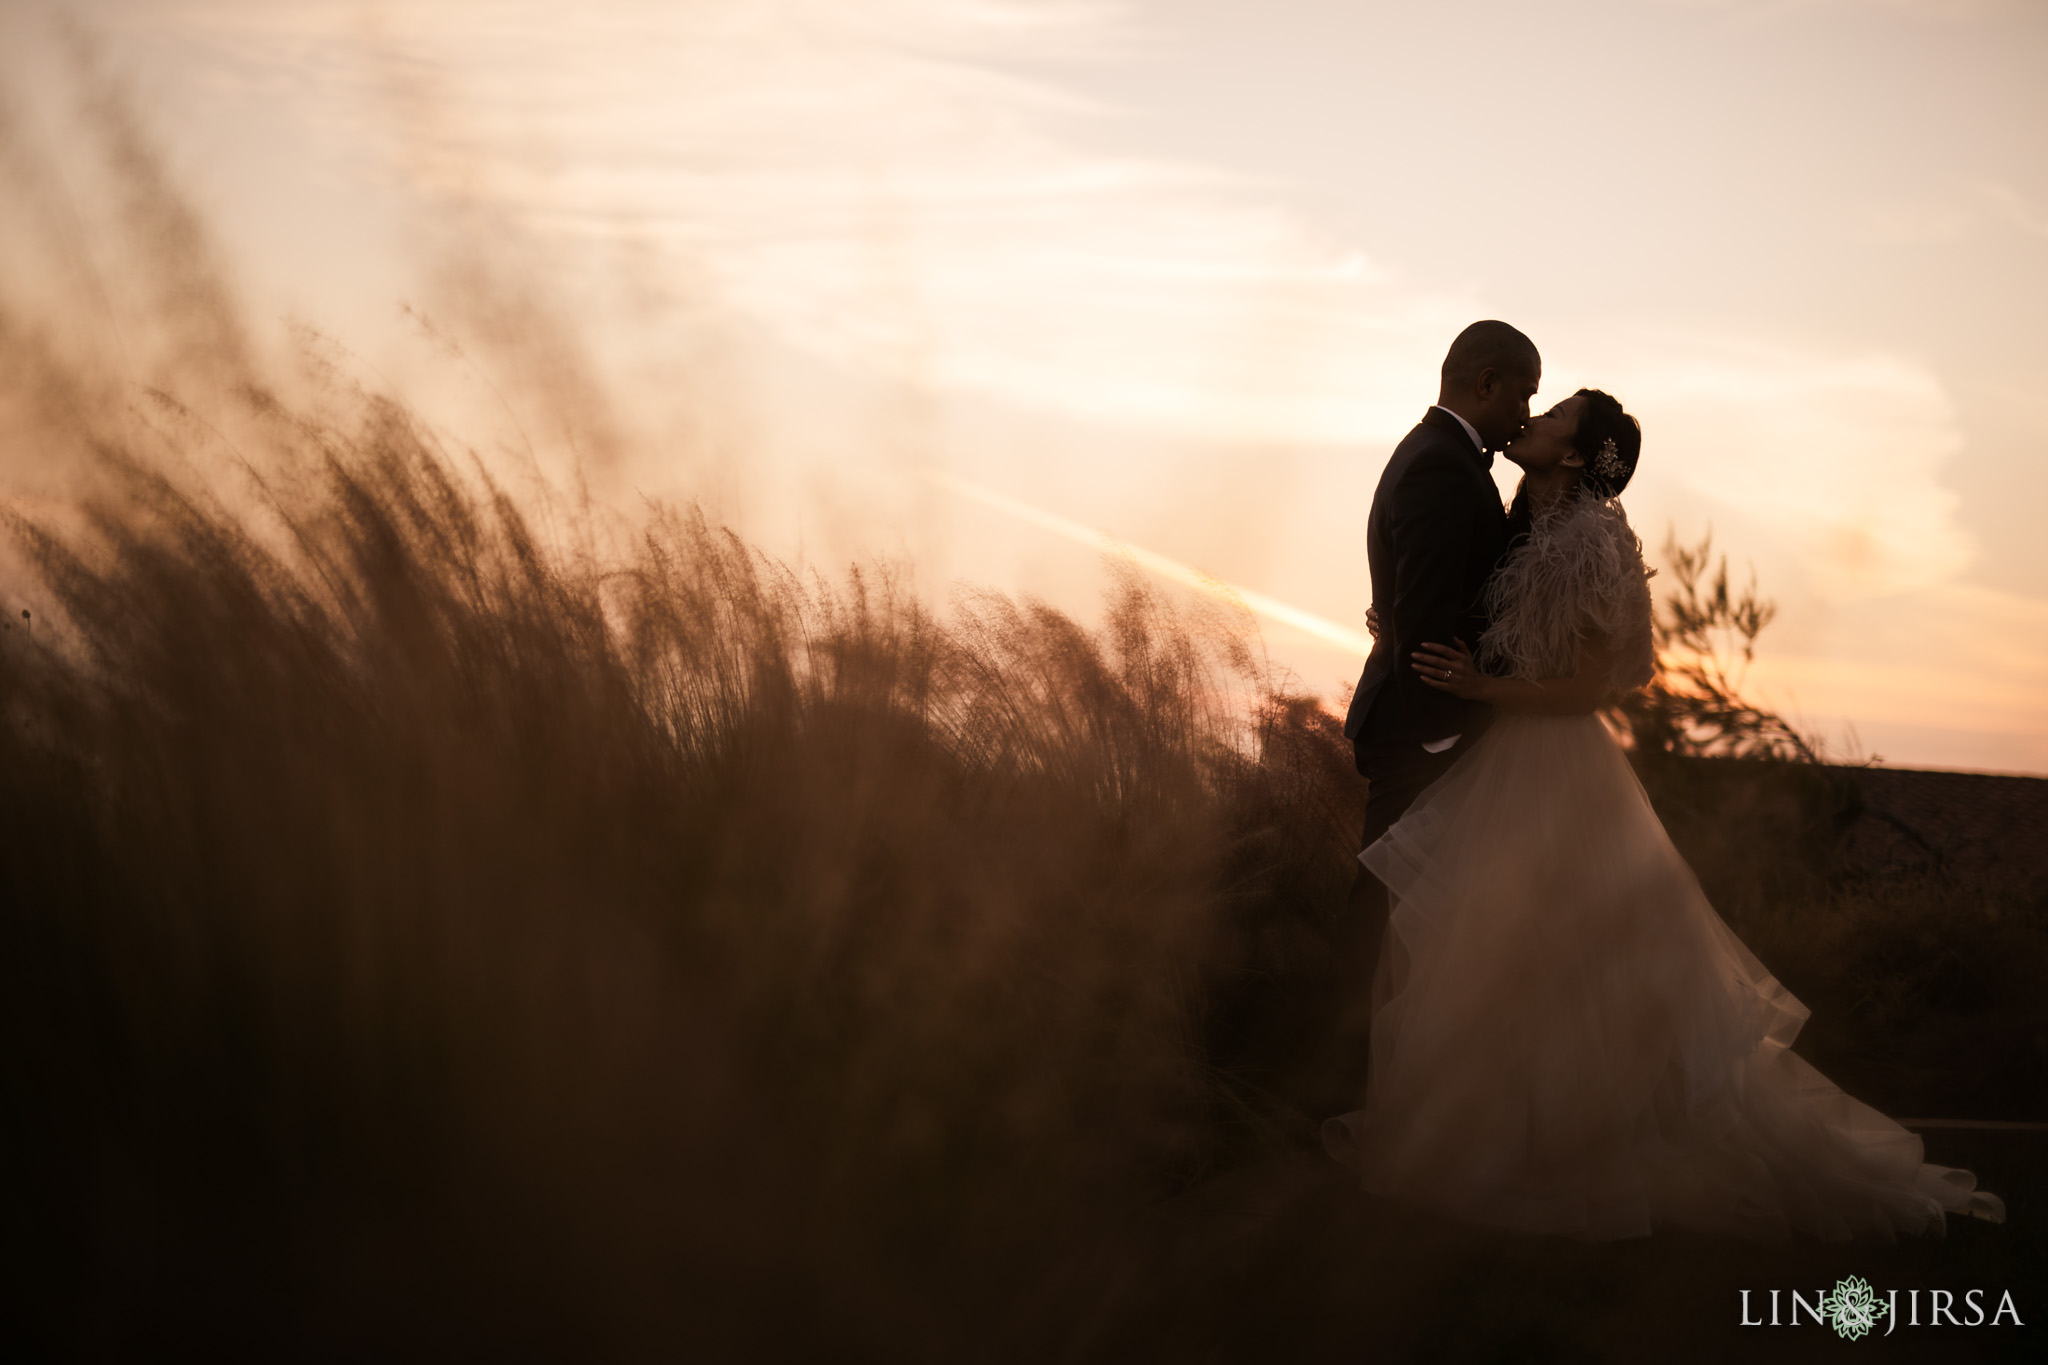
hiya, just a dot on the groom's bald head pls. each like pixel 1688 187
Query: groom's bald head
pixel 1489 375
pixel 1490 346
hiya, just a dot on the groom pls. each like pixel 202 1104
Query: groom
pixel 1434 534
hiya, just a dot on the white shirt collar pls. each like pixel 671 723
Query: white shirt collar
pixel 1470 430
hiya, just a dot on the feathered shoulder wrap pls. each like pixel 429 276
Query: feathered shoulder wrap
pixel 1580 572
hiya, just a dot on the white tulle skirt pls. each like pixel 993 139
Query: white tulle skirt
pixel 1568 1039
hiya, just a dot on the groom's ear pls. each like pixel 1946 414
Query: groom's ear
pixel 1492 380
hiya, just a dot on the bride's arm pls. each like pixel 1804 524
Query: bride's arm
pixel 1579 694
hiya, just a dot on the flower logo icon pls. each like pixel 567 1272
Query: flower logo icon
pixel 1853 1308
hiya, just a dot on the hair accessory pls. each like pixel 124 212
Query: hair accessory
pixel 1607 464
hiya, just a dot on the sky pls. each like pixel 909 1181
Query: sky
pixel 985 287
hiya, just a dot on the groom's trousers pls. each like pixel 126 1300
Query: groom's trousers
pixel 1394 776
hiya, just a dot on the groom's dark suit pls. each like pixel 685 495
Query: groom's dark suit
pixel 1434 534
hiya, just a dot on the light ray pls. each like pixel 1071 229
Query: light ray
pixel 1173 570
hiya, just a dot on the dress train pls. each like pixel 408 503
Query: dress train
pixel 1568 1039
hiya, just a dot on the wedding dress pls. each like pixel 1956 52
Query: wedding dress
pixel 1566 1037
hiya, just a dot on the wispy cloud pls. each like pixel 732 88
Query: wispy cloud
pixel 876 184
pixel 866 181
pixel 1983 206
pixel 1934 11
pixel 1839 458
pixel 2014 208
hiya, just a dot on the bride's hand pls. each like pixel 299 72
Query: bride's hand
pixel 1450 670
pixel 1372 621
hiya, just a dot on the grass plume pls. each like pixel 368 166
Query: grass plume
pixel 389 870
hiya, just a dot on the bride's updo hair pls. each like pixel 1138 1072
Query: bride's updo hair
pixel 1602 421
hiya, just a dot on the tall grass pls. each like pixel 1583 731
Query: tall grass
pixel 432 919
pixel 652 945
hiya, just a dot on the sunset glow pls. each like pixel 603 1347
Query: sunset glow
pixel 1179 275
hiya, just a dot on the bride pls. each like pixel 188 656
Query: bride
pixel 1566 1037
